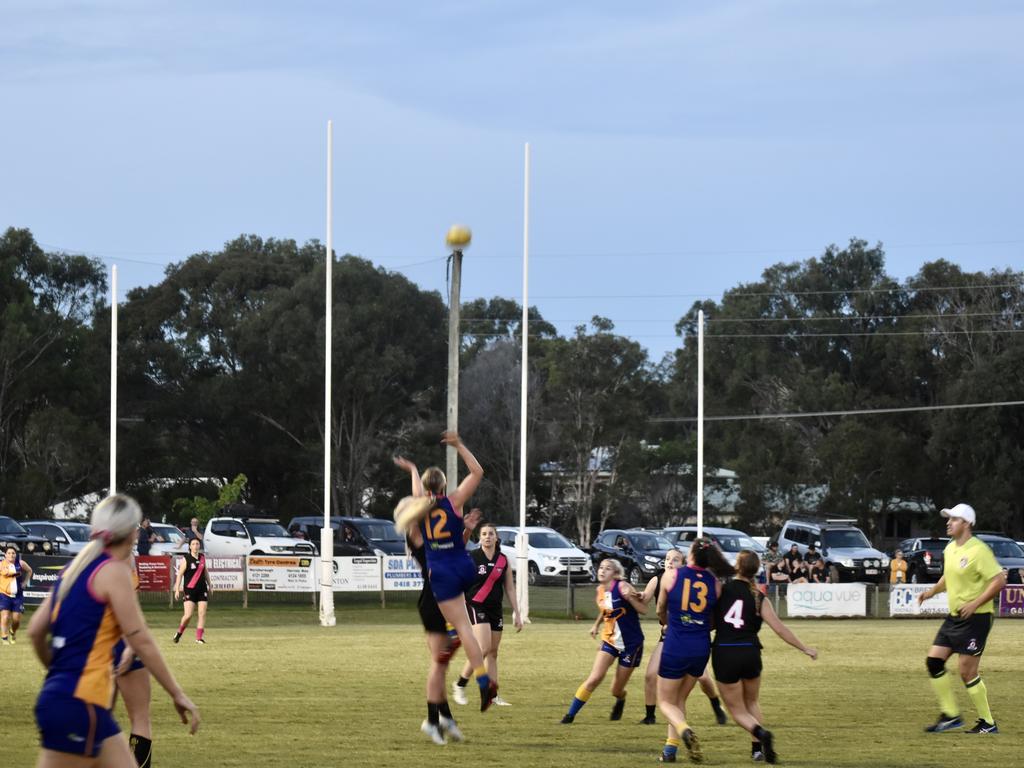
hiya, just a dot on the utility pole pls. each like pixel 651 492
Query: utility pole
pixel 458 240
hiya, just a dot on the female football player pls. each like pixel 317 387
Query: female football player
pixel 194 580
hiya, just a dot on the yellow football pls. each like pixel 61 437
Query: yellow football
pixel 458 237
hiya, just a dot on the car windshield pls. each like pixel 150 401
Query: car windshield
pixel 736 542
pixel 549 540
pixel 378 531
pixel 78 532
pixel 267 529
pixel 169 533
pixel 650 541
pixel 1005 548
pixel 934 545
pixel 846 539
pixel 9 526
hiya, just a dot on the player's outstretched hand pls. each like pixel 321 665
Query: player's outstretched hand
pixel 404 464
pixel 187 711
pixel 450 437
pixel 812 652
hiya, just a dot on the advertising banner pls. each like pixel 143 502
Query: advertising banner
pixel 903 601
pixel 154 572
pixel 1011 601
pixel 401 573
pixel 226 573
pixel 45 570
pixel 356 574
pixel 281 574
pixel 826 599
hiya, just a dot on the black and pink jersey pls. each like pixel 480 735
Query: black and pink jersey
pixel 489 588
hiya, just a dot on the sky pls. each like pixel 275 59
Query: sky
pixel 677 148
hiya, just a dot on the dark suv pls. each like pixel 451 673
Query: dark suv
pixel 353 536
pixel 924 559
pixel 13 534
pixel 641 553
pixel 1008 553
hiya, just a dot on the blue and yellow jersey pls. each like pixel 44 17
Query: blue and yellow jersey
pixel 691 606
pixel 9 574
pixel 442 531
pixel 621 628
pixel 83 634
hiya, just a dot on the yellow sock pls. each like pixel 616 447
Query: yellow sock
pixel 944 692
pixel 582 694
pixel 680 727
pixel 979 695
pixel 479 672
pixel 672 742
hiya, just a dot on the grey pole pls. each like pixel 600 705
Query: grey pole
pixel 454 343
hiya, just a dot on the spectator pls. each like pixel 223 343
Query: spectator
pixel 898 568
pixel 780 572
pixel 296 532
pixel 349 535
pixel 792 556
pixel 798 572
pixel 193 531
pixel 815 564
pixel 771 559
pixel 145 540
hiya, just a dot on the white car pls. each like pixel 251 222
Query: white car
pixel 242 536
pixel 72 537
pixel 167 540
pixel 552 557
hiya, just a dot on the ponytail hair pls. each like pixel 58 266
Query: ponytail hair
pixel 706 554
pixel 434 481
pixel 411 510
pixel 113 520
pixel 747 566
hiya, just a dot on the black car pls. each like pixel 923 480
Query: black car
pixel 13 534
pixel 924 558
pixel 641 553
pixel 353 536
pixel 1008 553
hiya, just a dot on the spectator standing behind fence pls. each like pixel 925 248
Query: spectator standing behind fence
pixel 897 568
pixel 815 565
pixel 145 537
pixel 194 532
pixel 771 559
pixel 972 578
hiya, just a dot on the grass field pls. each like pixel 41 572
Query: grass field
pixel 277 690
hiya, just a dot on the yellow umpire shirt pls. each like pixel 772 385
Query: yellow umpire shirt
pixel 968 570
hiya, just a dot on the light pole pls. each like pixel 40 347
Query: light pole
pixel 458 239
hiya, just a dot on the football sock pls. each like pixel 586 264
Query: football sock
pixel 462 681
pixel 581 698
pixel 453 635
pixel 444 710
pixel 650 709
pixel 199 633
pixel 716 705
pixel 142 748
pixel 979 695
pixel 944 693
pixel 181 627
pixel 758 734
pixel 680 727
pixel 755 747
pixel 481 677
pixel 671 747
pixel 433 714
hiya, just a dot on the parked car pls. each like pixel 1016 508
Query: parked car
pixel 167 540
pixel 352 535
pixel 71 537
pixel 729 540
pixel 551 556
pixel 229 536
pixel 848 554
pixel 641 553
pixel 924 558
pixel 1009 554
pixel 14 534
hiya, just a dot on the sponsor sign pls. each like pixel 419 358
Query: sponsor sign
pixel 154 572
pixel 356 574
pixel 1011 601
pixel 401 573
pixel 45 570
pixel 826 599
pixel 281 574
pixel 903 601
pixel 226 573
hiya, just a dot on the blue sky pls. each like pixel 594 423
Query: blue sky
pixel 678 148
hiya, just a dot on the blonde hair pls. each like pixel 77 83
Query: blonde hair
pixel 411 510
pixel 616 566
pixel 113 520
pixel 434 481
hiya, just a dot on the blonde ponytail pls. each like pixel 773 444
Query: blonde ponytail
pixel 113 520
pixel 411 510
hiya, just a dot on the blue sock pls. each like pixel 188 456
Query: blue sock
pixel 576 706
pixel 483 681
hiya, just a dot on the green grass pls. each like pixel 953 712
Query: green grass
pixel 277 690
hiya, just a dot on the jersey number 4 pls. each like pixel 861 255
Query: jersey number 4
pixel 700 597
pixel 734 615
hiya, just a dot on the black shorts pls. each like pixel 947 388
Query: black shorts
pixel 197 595
pixel 430 614
pixel 733 663
pixel 478 614
pixel 966 636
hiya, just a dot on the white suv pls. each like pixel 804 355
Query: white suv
pixel 234 536
pixel 551 556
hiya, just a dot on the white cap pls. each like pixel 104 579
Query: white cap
pixel 964 511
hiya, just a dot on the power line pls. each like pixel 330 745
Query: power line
pixel 852 318
pixel 804 335
pixel 785 294
pixel 818 414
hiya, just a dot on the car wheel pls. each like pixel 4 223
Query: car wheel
pixel 636 576
pixel 533 574
pixel 833 574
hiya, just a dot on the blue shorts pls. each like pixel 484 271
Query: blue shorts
pixel 629 656
pixel 15 604
pixel 451 578
pixel 67 724
pixel 674 666
pixel 118 650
